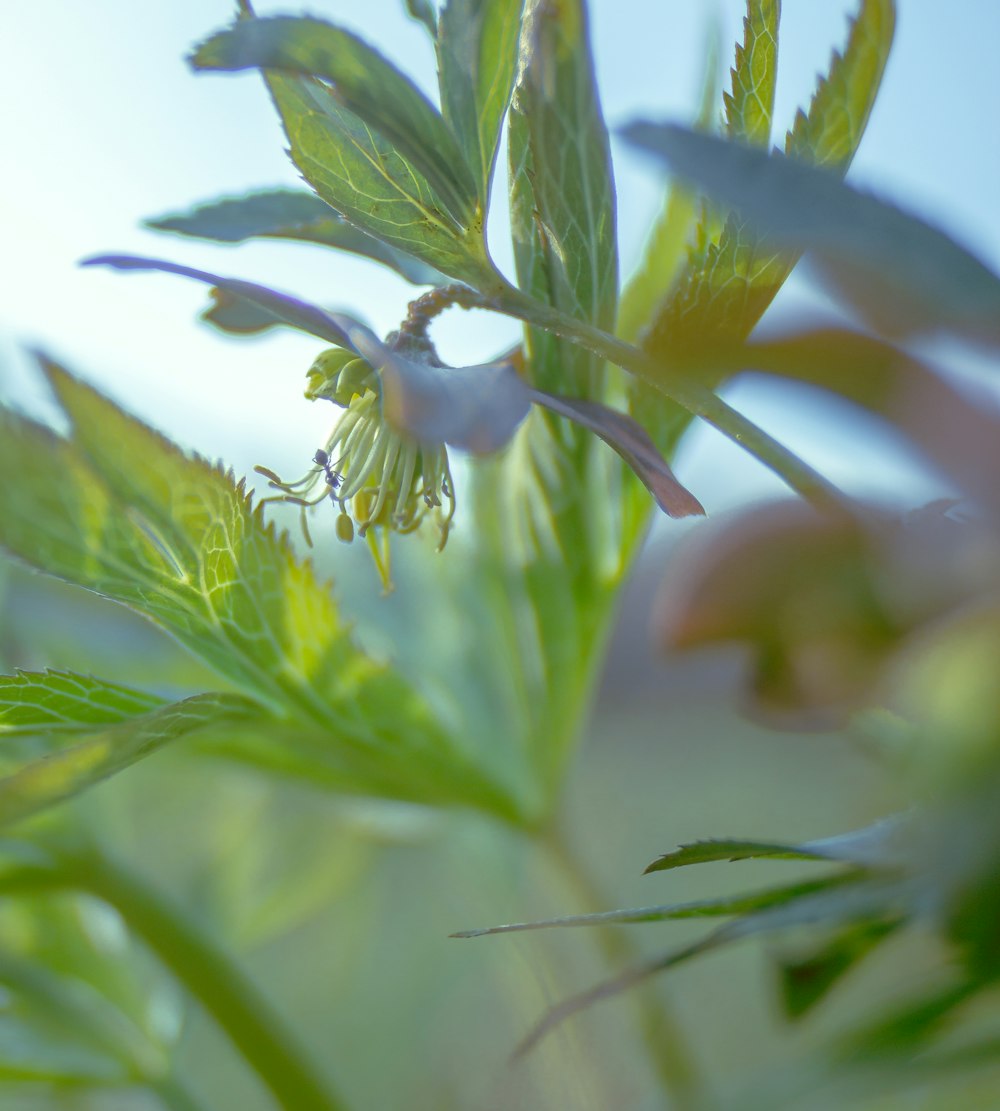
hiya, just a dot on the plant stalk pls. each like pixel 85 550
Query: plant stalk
pixel 211 976
pixel 667 1051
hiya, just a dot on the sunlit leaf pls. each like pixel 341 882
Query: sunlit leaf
pixel 899 272
pixel 829 133
pixel 477 51
pixel 363 82
pixel 63 702
pixel 68 771
pixel 733 275
pixel 750 102
pixel 290 214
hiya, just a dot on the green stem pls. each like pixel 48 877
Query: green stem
pixel 662 1033
pixel 690 395
pixel 211 976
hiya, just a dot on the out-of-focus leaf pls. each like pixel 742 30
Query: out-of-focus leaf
pixel 805 981
pixel 238 317
pixel 423 11
pixel 829 133
pixel 703 908
pixel 899 272
pixel 364 83
pixel 63 702
pixel 284 309
pixel 871 846
pixel 703 852
pixel 750 102
pixel 957 430
pixel 732 277
pixel 477 52
pixel 67 772
pixel 290 214
pixel 631 441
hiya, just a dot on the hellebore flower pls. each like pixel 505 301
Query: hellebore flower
pixel 385 464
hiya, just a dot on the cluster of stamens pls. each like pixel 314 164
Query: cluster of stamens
pixel 380 480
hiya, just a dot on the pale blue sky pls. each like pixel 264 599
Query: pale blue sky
pixel 106 124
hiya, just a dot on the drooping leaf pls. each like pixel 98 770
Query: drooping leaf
pixel 703 908
pixel 282 308
pixel 733 275
pixel 631 441
pixel 290 214
pixel 68 771
pixel 364 83
pixel 750 102
pixel 477 52
pixel 899 272
pixel 806 980
pixel 63 702
pixel 829 133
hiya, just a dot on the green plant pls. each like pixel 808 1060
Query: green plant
pixel 549 521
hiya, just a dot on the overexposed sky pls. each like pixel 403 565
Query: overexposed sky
pixel 105 125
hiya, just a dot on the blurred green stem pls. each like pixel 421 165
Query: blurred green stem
pixel 212 977
pixel 691 395
pixel 663 1035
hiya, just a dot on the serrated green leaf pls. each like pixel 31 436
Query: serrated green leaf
pixel 703 908
pixel 63 702
pixel 732 275
pixel 750 103
pixel 67 772
pixel 121 511
pixel 364 83
pixel 899 272
pixel 290 214
pixel 805 981
pixel 829 134
pixel 477 53
pixel 704 852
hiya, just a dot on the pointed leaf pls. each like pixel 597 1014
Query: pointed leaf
pixel 805 981
pixel 829 133
pixel 290 214
pixel 899 272
pixel 751 102
pixel 423 11
pixel 702 852
pixel 562 199
pixel 363 82
pixel 733 276
pixel 703 908
pixel 69 771
pixel 631 441
pixel 63 702
pixel 477 52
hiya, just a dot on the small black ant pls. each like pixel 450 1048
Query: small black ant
pixel 322 459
